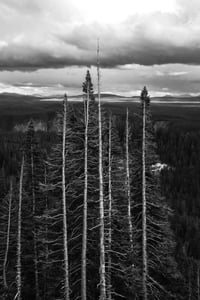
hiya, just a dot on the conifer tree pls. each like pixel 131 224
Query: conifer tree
pixel 151 216
pixel 88 86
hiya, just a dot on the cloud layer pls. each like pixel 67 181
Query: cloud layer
pixel 54 34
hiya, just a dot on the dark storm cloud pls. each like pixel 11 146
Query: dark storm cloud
pixel 28 59
pixel 42 34
pixel 114 53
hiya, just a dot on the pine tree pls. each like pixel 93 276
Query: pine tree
pixel 88 86
pixel 151 216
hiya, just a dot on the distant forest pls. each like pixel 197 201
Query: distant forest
pixel 87 213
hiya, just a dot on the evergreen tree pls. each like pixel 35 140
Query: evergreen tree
pixel 88 86
pixel 151 216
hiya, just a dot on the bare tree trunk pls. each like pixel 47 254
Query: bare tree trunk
pixel 109 280
pixel 34 230
pixel 101 199
pixel 19 266
pixel 65 243
pixel 84 238
pixel 144 217
pixel 7 235
pixel 128 188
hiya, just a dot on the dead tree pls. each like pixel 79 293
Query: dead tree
pixel 84 237
pixel 144 99
pixel 64 209
pixel 19 236
pixel 101 196
pixel 128 188
pixel 109 280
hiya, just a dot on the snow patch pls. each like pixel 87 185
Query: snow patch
pixel 158 167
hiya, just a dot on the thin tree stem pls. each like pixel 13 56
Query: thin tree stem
pixel 64 213
pixel 84 238
pixel 101 199
pixel 128 188
pixel 109 281
pixel 144 212
pixel 19 266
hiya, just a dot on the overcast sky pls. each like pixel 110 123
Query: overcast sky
pixel 46 46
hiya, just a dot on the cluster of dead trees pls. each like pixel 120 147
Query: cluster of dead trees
pixel 87 220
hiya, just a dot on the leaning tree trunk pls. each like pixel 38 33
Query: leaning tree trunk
pixel 19 238
pixel 84 238
pixel 64 208
pixel 8 235
pixel 101 199
pixel 144 204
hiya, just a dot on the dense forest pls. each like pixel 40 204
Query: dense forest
pixel 86 214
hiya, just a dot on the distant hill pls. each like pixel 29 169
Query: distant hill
pixel 17 97
pixel 32 98
pixel 103 95
pixel 18 109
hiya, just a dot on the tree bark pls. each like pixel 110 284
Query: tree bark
pixel 101 198
pixel 19 266
pixel 109 280
pixel 144 208
pixel 84 238
pixel 64 208
pixel 128 188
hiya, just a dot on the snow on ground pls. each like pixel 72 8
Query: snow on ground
pixel 158 167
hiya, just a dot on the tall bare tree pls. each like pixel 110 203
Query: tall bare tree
pixel 19 235
pixel 109 279
pixel 101 196
pixel 144 100
pixel 128 187
pixel 64 208
pixel 85 202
